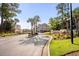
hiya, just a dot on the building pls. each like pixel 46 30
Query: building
pixel 26 31
pixel 18 29
pixel 43 28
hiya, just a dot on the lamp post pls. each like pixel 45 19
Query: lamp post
pixel 71 23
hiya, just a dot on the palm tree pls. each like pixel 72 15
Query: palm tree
pixel 32 23
pixel 36 20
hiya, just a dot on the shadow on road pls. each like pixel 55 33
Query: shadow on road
pixel 34 40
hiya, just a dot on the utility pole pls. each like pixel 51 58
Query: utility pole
pixel 71 23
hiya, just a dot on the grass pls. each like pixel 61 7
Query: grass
pixel 61 47
pixel 47 33
pixel 7 34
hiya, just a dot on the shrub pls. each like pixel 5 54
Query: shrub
pixel 56 36
pixel 61 35
pixel 66 36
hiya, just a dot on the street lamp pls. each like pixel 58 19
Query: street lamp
pixel 71 23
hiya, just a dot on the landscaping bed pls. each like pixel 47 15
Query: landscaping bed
pixel 74 53
pixel 63 47
pixel 58 35
pixel 8 34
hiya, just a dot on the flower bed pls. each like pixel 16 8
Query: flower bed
pixel 60 35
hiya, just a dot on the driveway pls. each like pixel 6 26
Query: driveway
pixel 20 45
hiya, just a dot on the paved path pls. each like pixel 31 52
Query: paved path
pixel 20 45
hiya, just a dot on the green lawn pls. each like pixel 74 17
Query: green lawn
pixel 61 47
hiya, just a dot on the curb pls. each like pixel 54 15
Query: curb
pixel 49 45
pixel 46 48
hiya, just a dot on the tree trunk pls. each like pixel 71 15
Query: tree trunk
pixel 76 26
pixel 62 18
pixel 31 29
pixel 36 28
pixel 67 25
pixel 2 18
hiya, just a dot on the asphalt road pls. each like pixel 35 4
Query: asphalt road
pixel 20 45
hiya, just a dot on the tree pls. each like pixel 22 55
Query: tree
pixel 7 26
pixel 76 16
pixel 36 20
pixel 3 10
pixel 54 23
pixel 15 22
pixel 32 23
pixel 63 10
pixel 7 11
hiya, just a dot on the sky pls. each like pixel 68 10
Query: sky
pixel 44 10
